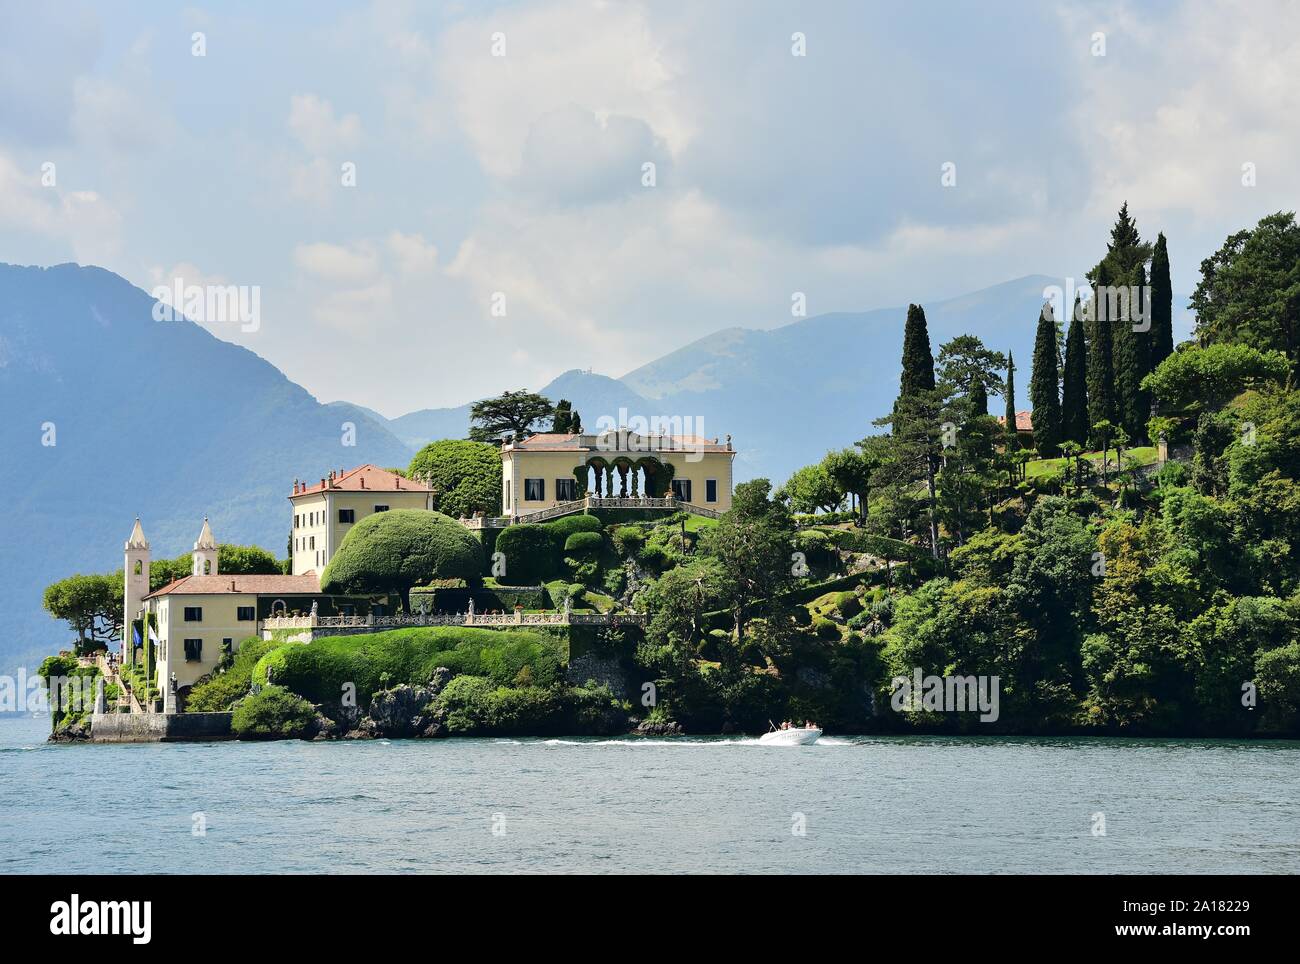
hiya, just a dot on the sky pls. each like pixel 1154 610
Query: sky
pixel 438 202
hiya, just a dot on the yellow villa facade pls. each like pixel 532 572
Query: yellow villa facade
pixel 549 470
pixel 325 512
pixel 185 628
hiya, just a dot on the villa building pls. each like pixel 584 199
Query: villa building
pixel 324 513
pixel 182 631
pixel 193 621
pixel 548 470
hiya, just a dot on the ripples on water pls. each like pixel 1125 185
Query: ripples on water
pixel 871 804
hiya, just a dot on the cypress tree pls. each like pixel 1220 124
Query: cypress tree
pixel 1074 390
pixel 1045 387
pixel 1132 360
pixel 918 360
pixel 979 398
pixel 1011 396
pixel 1162 304
pixel 1101 377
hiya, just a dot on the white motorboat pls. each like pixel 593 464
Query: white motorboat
pixel 794 736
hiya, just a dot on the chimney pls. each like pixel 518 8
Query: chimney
pixel 322 483
pixel 232 585
pixel 363 481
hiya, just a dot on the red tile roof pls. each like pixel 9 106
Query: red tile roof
pixel 263 585
pixel 1024 421
pixel 364 478
pixel 588 442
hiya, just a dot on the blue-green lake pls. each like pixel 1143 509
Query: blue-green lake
pixel 690 805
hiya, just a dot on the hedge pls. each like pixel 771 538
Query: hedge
pixel 534 551
pixel 374 661
pixel 584 543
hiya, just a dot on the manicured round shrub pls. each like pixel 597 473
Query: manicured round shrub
pixel 583 543
pixel 273 713
pixel 390 552
pixel 529 554
pixel 566 525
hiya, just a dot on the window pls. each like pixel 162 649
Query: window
pixel 682 490
pixel 194 614
pixel 295 521
pixel 193 650
pixel 139 567
pixel 246 613
pixel 566 490
pixel 347 515
pixel 313 543
pixel 534 490
pixel 381 508
pixel 710 490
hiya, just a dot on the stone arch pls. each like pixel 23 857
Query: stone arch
pixel 601 475
pixel 656 476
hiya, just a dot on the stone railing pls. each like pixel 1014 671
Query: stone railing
pixel 314 622
pixel 700 510
pixel 631 502
pixel 486 522
pixel 555 511
pixel 517 618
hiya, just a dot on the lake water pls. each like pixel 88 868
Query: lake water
pixel 872 804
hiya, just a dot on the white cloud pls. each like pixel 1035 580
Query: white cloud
pixel 413 254
pixel 603 57
pixel 334 263
pixel 312 122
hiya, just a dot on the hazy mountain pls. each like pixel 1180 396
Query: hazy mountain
pixel 788 394
pixel 157 419
pixel 592 395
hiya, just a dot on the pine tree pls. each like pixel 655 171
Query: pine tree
pixel 1101 377
pixel 1045 387
pixel 1074 389
pixel 1162 304
pixel 918 360
pixel 1011 396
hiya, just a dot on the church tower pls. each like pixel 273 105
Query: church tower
pixel 205 552
pixel 135 583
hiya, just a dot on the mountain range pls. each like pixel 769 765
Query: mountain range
pixel 110 414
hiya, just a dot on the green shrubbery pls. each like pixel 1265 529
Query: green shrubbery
pixel 215 692
pixel 474 706
pixel 584 543
pixel 273 713
pixel 465 476
pixel 391 552
pixel 376 661
pixel 534 550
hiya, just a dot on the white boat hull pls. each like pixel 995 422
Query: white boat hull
pixel 801 736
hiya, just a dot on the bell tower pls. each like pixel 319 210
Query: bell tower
pixel 135 583
pixel 205 552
